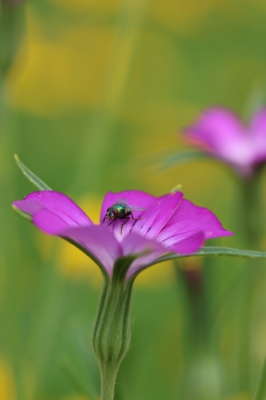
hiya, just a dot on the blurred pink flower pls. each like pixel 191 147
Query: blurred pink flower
pixel 167 223
pixel 220 132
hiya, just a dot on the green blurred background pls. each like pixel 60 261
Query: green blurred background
pixel 94 93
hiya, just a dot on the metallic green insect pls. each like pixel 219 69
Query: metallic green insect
pixel 121 210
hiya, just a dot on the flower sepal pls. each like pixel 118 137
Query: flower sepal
pixel 122 265
pixel 182 156
pixel 34 179
pixel 22 213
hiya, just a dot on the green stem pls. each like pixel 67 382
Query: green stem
pixel 193 288
pixel 108 379
pixel 261 391
pixel 252 232
pixel 251 216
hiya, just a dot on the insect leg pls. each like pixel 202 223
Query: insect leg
pixel 135 219
pixel 113 220
pixel 127 219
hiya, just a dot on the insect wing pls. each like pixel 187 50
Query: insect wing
pixel 121 201
pixel 133 208
pixel 136 209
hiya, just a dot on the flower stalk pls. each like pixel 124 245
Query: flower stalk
pixel 261 390
pixel 251 218
pixel 251 210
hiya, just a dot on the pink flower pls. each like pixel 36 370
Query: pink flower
pixel 220 132
pixel 167 223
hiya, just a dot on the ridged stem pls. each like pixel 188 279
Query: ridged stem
pixel 261 391
pixel 251 220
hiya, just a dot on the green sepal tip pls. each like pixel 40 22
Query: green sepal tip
pixel 180 157
pixel 37 182
pixel 22 213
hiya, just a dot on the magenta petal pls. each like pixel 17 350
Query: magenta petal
pixel 217 129
pixel 220 132
pixel 98 241
pixel 134 244
pixel 28 206
pixel 189 219
pixel 142 262
pixel 56 202
pixel 49 222
pixel 157 215
pixel 189 245
pixel 95 239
